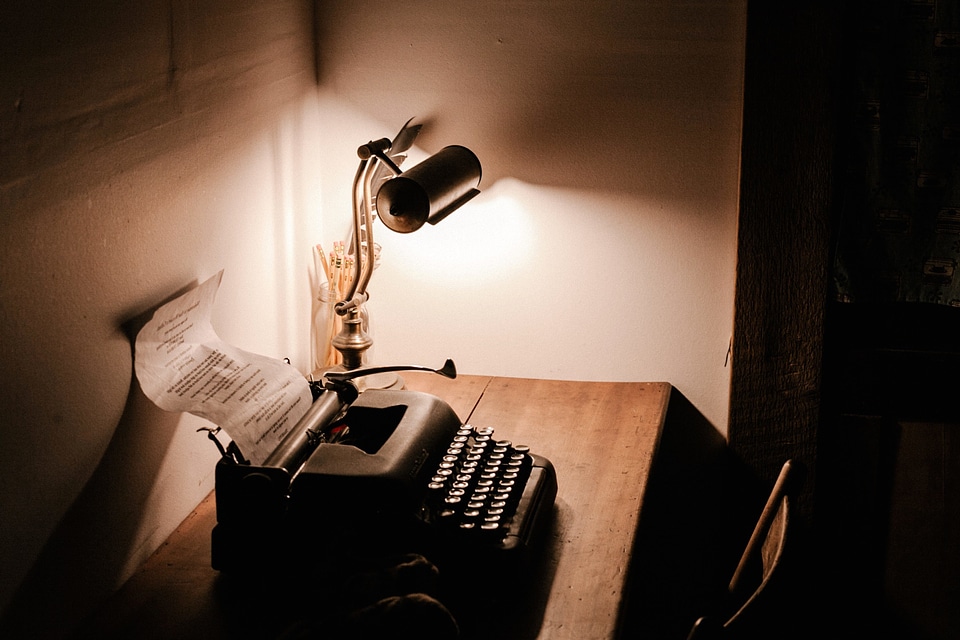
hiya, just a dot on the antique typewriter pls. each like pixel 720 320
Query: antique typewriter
pixel 380 471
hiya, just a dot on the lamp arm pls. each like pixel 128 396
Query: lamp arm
pixel 350 299
pixel 366 265
pixel 370 153
pixel 385 159
pixel 362 223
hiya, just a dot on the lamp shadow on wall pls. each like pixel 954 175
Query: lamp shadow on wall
pixel 633 99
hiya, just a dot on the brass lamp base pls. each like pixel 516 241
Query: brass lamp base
pixel 352 342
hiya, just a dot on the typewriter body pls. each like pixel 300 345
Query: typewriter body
pixel 381 470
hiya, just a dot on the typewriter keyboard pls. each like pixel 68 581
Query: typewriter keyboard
pixel 478 484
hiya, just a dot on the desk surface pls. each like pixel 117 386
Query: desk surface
pixel 600 437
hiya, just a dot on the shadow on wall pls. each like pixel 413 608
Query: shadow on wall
pixel 557 95
pixel 115 119
pixel 79 562
pixel 96 91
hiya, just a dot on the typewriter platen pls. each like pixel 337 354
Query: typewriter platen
pixel 384 470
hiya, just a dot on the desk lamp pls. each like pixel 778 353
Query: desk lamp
pixel 427 192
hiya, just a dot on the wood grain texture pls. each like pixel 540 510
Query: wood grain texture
pixel 600 437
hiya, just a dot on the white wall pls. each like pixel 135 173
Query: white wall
pixel 145 146
pixel 603 246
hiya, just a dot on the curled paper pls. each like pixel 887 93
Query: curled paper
pixel 182 365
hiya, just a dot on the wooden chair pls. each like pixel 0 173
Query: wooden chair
pixel 760 565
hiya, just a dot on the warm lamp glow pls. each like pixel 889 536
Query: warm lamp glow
pixel 485 244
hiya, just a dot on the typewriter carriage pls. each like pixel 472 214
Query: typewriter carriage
pixel 363 490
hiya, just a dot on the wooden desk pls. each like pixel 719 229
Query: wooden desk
pixel 600 438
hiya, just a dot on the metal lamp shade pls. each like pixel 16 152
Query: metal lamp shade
pixel 430 191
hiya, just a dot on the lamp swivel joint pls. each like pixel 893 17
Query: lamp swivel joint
pixel 374 148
